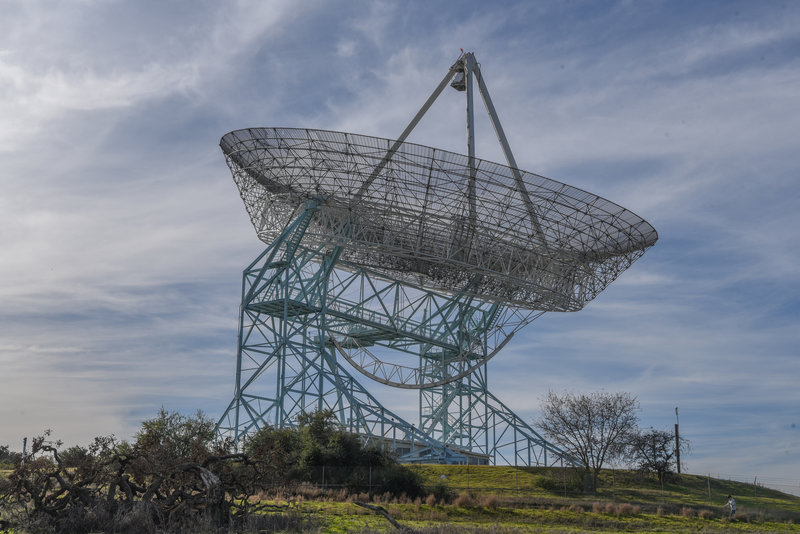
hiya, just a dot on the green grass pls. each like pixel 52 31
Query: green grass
pixel 347 517
pixel 491 479
pixel 508 499
pixel 619 485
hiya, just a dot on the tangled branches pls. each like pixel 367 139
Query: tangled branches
pixel 174 478
pixel 123 488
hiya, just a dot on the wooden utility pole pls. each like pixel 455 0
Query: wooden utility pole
pixel 677 442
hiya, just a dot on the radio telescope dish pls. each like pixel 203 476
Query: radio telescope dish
pixel 416 265
pixel 431 218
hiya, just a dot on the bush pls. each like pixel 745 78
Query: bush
pixel 398 480
pixel 173 478
pixel 465 500
pixel 491 502
pixel 557 480
pixel 625 509
pixel 441 493
pixel 705 514
pixel 687 512
pixel 319 451
pixel 8 459
pixel 74 456
pixel 741 516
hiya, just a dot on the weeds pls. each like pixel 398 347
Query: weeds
pixel 464 500
pixel 705 514
pixel 491 502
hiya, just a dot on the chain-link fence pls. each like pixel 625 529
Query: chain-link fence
pixel 786 485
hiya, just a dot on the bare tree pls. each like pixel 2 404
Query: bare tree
pixel 594 427
pixel 653 451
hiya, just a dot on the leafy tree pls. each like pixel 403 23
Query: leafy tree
pixel 278 448
pixel 319 445
pixel 325 445
pixel 595 427
pixel 653 451
pixel 172 437
pixel 74 456
pixel 9 458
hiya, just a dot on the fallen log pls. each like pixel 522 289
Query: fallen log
pixel 381 510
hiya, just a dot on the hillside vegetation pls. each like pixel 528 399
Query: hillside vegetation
pixel 174 478
pixel 619 485
pixel 500 499
pixel 489 499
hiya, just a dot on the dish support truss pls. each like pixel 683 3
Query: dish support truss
pixel 303 307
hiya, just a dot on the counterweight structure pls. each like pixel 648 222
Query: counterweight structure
pixel 412 266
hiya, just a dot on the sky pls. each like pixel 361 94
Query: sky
pixel 123 237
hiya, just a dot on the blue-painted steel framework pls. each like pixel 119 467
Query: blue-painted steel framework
pixel 415 266
pixel 300 306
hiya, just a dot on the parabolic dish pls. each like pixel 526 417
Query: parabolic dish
pixel 426 216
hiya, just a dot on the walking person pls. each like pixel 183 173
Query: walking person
pixel 732 505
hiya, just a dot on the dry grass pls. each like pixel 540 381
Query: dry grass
pixel 618 509
pixel 492 502
pixel 464 500
pixel 627 509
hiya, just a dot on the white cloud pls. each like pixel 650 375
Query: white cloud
pixel 346 48
pixel 52 68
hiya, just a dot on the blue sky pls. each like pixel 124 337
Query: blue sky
pixel 122 236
